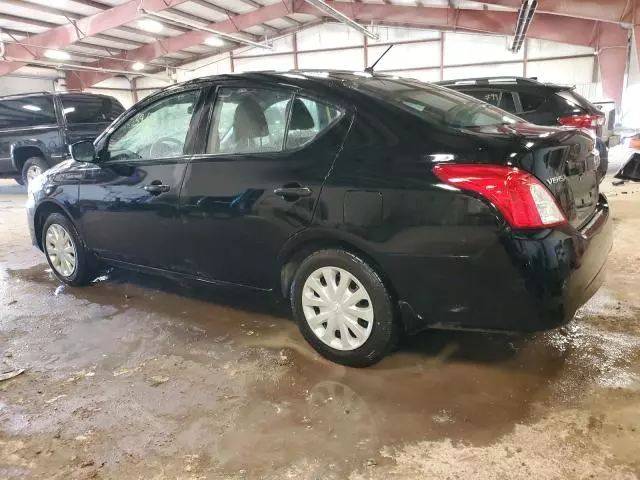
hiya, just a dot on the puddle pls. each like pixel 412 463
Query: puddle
pixel 240 386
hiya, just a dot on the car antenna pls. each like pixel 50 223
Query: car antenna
pixel 370 69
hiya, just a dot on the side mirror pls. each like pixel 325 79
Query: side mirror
pixel 83 151
pixel 630 170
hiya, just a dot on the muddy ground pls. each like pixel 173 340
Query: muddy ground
pixel 141 378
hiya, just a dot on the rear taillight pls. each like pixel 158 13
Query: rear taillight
pixel 521 198
pixel 583 121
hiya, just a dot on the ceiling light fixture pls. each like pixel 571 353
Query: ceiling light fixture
pixel 214 41
pixel 149 25
pixel 341 17
pixel 137 66
pixel 57 55
pixel 193 26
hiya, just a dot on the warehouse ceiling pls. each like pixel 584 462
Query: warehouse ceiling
pixel 109 37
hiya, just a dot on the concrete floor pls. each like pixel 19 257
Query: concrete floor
pixel 140 378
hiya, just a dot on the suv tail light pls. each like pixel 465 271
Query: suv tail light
pixel 521 198
pixel 591 122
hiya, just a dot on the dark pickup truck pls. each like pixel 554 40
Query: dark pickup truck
pixel 36 129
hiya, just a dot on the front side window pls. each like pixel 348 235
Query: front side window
pixel 248 120
pixel 158 131
pixel 90 109
pixel 27 112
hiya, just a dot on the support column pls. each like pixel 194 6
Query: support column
pixel 365 49
pixel 441 56
pixel 613 52
pixel 295 51
pixel 525 58
pixel 134 89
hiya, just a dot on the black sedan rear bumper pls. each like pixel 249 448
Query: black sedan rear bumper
pixel 527 281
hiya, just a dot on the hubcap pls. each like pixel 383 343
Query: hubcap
pixel 61 250
pixel 337 308
pixel 32 172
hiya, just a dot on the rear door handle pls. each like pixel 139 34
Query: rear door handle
pixel 157 188
pixel 293 192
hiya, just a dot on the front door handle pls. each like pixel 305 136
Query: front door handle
pixel 293 192
pixel 157 188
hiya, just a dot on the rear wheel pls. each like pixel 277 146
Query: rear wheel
pixel 65 251
pixel 33 167
pixel 19 180
pixel 343 308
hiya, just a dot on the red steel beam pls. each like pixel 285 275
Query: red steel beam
pixel 81 80
pixel 557 28
pixel 612 43
pixel 65 35
pixel 617 11
pixel 608 38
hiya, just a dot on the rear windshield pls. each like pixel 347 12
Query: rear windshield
pixel 27 112
pixel 569 102
pixel 437 104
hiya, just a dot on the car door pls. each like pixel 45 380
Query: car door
pixel 257 181
pixel 28 121
pixel 129 201
pixel 86 116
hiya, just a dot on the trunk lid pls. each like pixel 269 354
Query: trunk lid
pixel 563 158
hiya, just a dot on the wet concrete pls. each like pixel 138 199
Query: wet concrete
pixel 140 377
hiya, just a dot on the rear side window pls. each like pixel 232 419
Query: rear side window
pixel 249 120
pixel 90 109
pixel 309 118
pixel 27 112
pixel 530 102
pixel 486 96
pixel 497 98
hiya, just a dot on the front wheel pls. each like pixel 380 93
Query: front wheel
pixel 343 308
pixel 65 251
pixel 33 167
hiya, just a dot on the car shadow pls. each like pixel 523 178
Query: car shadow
pixel 456 344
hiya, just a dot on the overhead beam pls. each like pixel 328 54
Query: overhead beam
pixel 180 42
pixel 229 13
pixel 576 31
pixel 609 39
pixel 92 25
pixel 616 11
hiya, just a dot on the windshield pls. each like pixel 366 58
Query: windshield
pixel 437 104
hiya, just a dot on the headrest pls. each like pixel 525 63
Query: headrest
pixel 301 119
pixel 249 120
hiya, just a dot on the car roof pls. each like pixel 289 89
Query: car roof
pixel 484 82
pixel 336 80
pixel 39 94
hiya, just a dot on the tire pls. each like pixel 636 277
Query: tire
pixel 84 269
pixel 376 325
pixel 31 165
pixel 19 180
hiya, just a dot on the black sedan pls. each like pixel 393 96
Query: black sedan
pixel 377 205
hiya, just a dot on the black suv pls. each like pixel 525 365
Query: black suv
pixel 539 103
pixel 36 129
